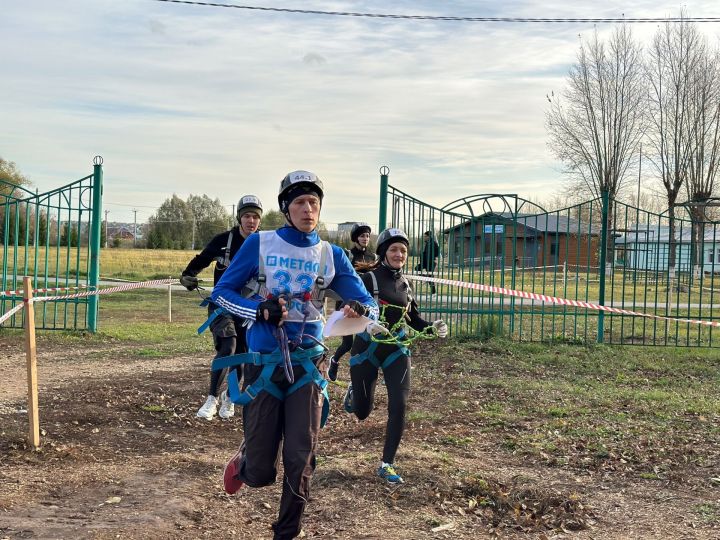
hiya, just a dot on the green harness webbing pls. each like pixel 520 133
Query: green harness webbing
pixel 369 353
pixel 270 361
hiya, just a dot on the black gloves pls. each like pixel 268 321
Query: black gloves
pixel 357 307
pixel 271 311
pixel 189 282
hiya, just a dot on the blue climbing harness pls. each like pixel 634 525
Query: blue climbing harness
pixel 269 362
pixel 289 353
pixel 214 315
pixel 369 353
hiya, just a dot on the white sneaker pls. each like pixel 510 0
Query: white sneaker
pixel 227 407
pixel 209 409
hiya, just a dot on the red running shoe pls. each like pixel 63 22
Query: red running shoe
pixel 230 481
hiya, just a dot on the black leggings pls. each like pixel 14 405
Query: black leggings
pixel 397 380
pixel 344 347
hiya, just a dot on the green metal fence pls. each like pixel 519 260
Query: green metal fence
pixel 601 251
pixel 55 238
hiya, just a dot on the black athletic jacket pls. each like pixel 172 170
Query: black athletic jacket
pixel 359 255
pixel 216 250
pixel 393 289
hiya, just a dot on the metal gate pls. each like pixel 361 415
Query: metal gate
pixel 55 238
pixel 600 251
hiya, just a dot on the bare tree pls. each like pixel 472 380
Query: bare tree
pixel 674 59
pixel 705 147
pixel 597 125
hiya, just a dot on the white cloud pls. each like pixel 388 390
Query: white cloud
pixel 186 99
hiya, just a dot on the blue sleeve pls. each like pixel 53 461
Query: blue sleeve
pixel 243 268
pixel 348 284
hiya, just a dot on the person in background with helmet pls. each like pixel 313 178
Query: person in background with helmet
pixel 385 280
pixel 228 331
pixel 359 254
pixel 286 271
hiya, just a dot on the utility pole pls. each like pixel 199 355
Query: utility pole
pixel 193 233
pixel 639 176
pixel 135 228
pixel 106 237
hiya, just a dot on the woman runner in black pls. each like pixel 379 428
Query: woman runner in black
pixel 392 291
pixel 358 255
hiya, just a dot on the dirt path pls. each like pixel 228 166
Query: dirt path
pixel 124 457
pixel 59 365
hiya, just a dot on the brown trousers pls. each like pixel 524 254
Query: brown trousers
pixel 296 422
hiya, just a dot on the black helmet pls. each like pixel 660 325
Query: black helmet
pixel 390 236
pixel 298 183
pixel 249 203
pixel 358 229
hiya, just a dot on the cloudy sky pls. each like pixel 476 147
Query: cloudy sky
pixel 189 99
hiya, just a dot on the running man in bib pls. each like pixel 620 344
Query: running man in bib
pixel 278 281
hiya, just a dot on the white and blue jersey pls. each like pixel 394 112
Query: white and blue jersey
pixel 293 273
pixel 291 264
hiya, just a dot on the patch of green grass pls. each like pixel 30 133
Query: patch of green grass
pixel 457 403
pixel 558 412
pixel 509 444
pixel 154 408
pixel 150 353
pixel 457 441
pixel 432 520
pixel 709 512
pixel 579 406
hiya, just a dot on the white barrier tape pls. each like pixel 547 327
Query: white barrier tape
pixel 120 288
pixel 10 313
pixel 555 300
pixel 127 287
pixel 20 292
pixel 523 268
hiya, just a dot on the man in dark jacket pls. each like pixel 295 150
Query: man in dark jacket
pixel 429 254
pixel 228 331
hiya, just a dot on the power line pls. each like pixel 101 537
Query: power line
pixel 455 18
pixel 155 207
pixel 131 205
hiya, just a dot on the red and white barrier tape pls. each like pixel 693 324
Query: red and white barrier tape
pixel 10 313
pixel 554 299
pixel 20 292
pixel 120 288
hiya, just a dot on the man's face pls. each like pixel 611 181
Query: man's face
pixel 305 212
pixel 364 239
pixel 249 223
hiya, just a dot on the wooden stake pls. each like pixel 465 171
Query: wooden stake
pixel 169 301
pixel 31 358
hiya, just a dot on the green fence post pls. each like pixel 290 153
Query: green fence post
pixel 382 218
pixel 94 242
pixel 603 262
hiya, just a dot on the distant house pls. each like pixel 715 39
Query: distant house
pixel 123 232
pixel 345 227
pixel 540 240
pixel 647 247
